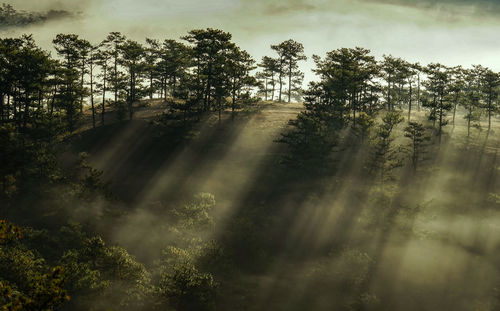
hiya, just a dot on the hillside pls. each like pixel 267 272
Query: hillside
pixel 186 175
pixel 308 223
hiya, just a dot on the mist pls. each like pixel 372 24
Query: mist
pixel 422 32
pixel 194 174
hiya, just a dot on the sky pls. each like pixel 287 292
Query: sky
pixel 459 32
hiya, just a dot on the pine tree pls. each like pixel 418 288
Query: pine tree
pixel 239 65
pixel 211 48
pixel 132 54
pixel 270 69
pixel 438 85
pixel 68 46
pixel 112 45
pixel 385 156
pixel 103 60
pixel 490 85
pixel 472 98
pixel 416 133
pixel 151 58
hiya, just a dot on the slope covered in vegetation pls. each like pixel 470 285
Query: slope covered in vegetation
pixel 173 176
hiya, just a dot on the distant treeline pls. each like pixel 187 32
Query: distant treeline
pixel 209 72
pixel 10 17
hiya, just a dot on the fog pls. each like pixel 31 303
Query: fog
pixel 450 32
pixel 220 196
pixel 337 241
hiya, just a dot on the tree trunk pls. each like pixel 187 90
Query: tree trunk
pixel 92 92
pixel 290 80
pixel 26 113
pixel 440 117
pixel 209 86
pixel 103 108
pixel 40 100
pixel 174 83
pixel 400 89
pixel 265 90
pixel 151 85
pixel 455 108
pixel 165 88
pixel 234 98
pixel 131 95
pixel 353 103
pixel 52 101
pixel 161 88
pixel 418 92
pixel 468 119
pixel 274 87
pixel 116 79
pixel 389 93
pixel 433 111
pixel 489 118
pixel 489 109
pixel 82 85
pixel 280 80
pixel 409 104
pixel 469 116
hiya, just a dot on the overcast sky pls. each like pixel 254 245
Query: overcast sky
pixel 452 32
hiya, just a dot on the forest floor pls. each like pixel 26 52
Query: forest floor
pixel 218 153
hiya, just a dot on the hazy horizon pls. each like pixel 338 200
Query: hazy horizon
pixel 450 32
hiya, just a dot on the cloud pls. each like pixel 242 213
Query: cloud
pixel 459 7
pixel 291 6
pixel 47 5
pixel 10 17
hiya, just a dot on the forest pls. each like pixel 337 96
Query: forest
pixel 183 174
